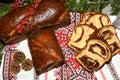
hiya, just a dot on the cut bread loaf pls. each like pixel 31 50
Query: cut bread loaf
pixel 95 41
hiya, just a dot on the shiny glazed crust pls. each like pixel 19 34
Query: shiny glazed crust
pixel 45 50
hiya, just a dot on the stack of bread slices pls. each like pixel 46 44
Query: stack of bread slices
pixel 95 41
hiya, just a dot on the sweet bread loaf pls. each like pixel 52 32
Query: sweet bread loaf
pixel 45 50
pixel 48 13
pixel 94 55
pixel 95 41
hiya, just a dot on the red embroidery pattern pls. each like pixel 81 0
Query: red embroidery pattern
pixel 113 71
pixel 7 75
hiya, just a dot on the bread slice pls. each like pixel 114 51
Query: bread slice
pixel 85 17
pixel 79 37
pixel 98 20
pixel 99 47
pixel 94 55
pixel 89 61
pixel 108 33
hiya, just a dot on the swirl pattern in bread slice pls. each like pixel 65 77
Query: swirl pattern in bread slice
pixel 98 20
pixel 86 16
pixel 93 56
pixel 108 33
pixel 79 37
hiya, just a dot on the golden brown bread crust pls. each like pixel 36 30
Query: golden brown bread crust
pixel 45 50
pixel 9 22
pixel 49 13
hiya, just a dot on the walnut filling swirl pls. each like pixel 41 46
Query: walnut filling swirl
pixel 99 50
pixel 94 55
pixel 89 62
pixel 95 40
pixel 108 34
